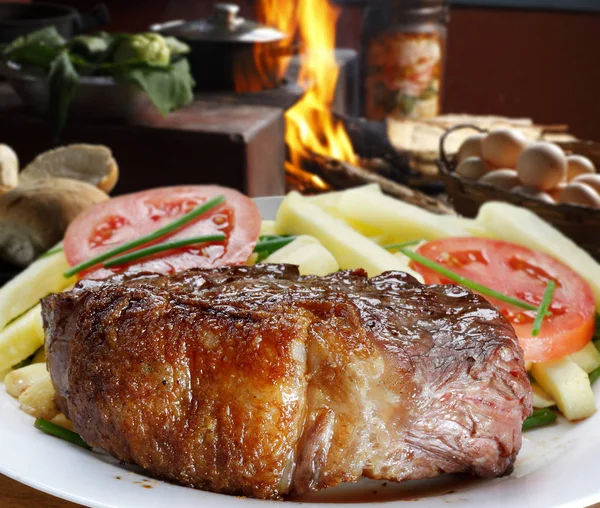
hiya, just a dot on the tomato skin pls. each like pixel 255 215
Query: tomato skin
pixel 131 216
pixel 520 272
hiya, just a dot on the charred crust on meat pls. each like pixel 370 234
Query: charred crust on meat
pixel 280 384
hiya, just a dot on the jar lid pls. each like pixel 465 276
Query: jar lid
pixel 225 25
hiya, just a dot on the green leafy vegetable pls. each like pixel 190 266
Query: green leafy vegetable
pixel 150 47
pixel 48 37
pixel 594 375
pixel 177 47
pixel 162 247
pixel 149 60
pixel 61 432
pixel 92 47
pixel 543 308
pixel 269 244
pixel 62 82
pixel 169 88
pixel 539 418
pixel 155 235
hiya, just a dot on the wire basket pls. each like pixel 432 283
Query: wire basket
pixel 578 222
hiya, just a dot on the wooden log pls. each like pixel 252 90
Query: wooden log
pixel 342 175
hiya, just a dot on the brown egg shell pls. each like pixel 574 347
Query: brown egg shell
pixel 501 147
pixel 505 179
pixel 579 165
pixel 542 165
pixel 534 193
pixel 578 193
pixel 472 168
pixel 591 180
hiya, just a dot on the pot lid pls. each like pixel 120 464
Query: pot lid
pixel 225 25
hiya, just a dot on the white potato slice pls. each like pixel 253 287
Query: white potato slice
pixel 40 356
pixel 61 419
pixel 267 227
pixel 38 399
pixel 19 380
pixel 519 225
pixel 471 226
pixel 297 215
pixel 41 278
pixel 328 200
pixel 569 385
pixel 306 252
pixel 21 338
pixel 588 357
pixel 398 219
pixel 540 398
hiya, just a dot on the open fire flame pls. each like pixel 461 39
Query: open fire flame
pixel 310 126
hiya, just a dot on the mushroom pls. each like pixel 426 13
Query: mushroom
pixel 9 168
pixel 93 164
pixel 35 215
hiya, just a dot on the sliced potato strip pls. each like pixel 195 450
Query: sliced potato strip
pixel 588 357
pixel 21 338
pixel 41 278
pixel 310 256
pixel 40 356
pixel 297 215
pixel 61 419
pixel 569 385
pixel 38 399
pixel 540 398
pixel 519 225
pixel 399 220
pixel 19 380
pixel 267 227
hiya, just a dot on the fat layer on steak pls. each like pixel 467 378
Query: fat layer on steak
pixel 260 382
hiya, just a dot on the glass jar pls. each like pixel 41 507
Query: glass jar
pixel 403 46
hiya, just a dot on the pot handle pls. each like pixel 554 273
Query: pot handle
pixel 97 17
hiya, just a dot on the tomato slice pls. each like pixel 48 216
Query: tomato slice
pixel 130 216
pixel 520 272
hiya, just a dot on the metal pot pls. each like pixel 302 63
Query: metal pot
pixel 229 52
pixel 18 19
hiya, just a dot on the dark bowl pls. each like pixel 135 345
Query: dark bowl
pixel 96 97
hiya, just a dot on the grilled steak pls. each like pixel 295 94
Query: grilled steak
pixel 260 382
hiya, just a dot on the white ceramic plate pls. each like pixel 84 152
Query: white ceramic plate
pixel 557 467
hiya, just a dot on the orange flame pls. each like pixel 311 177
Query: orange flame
pixel 310 126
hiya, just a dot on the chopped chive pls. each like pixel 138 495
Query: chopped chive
pixel 594 375
pixel 398 246
pixel 269 244
pixel 543 308
pixel 61 432
pixel 471 284
pixel 172 226
pixel 161 247
pixel 54 250
pixel 539 418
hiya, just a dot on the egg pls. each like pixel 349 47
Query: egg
pixel 542 165
pixel 502 147
pixel 557 190
pixel 502 178
pixel 472 168
pixel 592 180
pixel 580 194
pixel 579 165
pixel 471 147
pixel 533 192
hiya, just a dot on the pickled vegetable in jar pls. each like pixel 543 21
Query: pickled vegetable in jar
pixel 403 56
